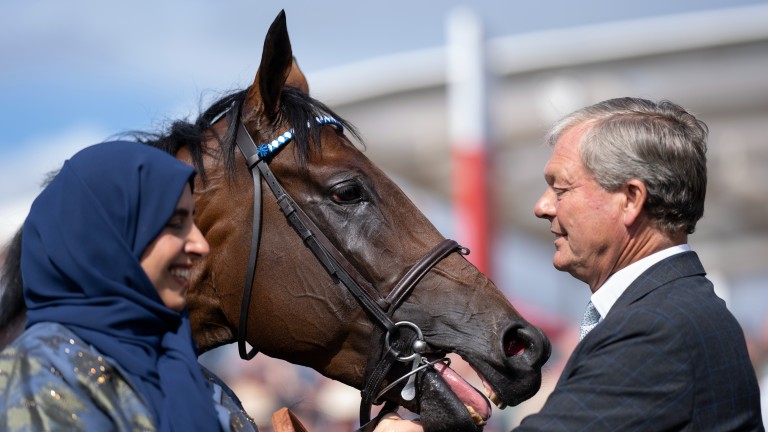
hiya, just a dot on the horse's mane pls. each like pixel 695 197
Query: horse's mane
pixel 296 107
pixel 12 300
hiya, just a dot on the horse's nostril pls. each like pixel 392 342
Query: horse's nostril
pixel 513 345
pixel 525 343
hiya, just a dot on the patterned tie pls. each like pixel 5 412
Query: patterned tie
pixel 590 320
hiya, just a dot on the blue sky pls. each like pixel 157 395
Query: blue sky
pixel 112 66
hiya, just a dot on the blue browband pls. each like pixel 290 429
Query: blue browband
pixel 265 150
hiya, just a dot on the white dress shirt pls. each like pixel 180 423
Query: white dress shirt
pixel 617 283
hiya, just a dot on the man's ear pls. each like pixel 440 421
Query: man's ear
pixel 636 195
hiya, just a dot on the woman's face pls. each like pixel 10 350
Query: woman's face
pixel 168 259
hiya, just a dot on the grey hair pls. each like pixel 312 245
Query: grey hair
pixel 658 143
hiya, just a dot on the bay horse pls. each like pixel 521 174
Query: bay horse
pixel 343 273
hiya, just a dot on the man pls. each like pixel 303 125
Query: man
pixel 626 185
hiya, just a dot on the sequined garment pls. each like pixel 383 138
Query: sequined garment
pixel 51 380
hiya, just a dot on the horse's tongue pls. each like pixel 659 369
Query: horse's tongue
pixel 467 394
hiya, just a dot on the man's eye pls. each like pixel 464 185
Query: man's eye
pixel 347 193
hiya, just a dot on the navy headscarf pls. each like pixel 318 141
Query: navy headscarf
pixel 80 263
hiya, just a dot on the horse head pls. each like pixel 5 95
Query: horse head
pixel 297 308
pixel 357 233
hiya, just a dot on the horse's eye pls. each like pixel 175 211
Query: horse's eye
pixel 347 193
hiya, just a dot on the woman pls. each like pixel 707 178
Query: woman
pixel 106 255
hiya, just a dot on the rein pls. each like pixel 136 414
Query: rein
pixel 378 308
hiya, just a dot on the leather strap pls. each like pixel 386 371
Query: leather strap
pixel 421 268
pixel 249 152
pixel 374 378
pixel 320 247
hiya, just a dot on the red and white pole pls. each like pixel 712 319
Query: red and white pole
pixel 468 131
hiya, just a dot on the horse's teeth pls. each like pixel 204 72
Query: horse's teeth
pixel 475 416
pixel 493 397
pixel 496 401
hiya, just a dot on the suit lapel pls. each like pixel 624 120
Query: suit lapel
pixel 677 266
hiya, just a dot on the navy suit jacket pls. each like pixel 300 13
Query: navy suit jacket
pixel 668 356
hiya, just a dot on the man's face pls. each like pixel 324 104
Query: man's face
pixel 586 219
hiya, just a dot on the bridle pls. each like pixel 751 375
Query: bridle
pixel 379 308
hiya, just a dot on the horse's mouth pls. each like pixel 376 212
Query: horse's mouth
pixel 447 402
pixel 478 404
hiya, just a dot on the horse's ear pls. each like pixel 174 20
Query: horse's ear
pixel 297 79
pixel 274 70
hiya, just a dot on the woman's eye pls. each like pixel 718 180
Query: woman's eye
pixel 347 193
pixel 175 223
pixel 178 220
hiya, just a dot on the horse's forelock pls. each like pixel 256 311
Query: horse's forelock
pixel 297 108
pixel 300 110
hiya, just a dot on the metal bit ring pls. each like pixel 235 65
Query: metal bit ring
pixel 419 345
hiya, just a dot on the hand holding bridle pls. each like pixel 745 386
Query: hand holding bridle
pixel 393 423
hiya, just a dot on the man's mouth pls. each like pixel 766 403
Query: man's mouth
pixel 558 235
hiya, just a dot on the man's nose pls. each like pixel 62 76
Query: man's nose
pixel 545 207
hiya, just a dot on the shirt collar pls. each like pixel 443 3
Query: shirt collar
pixel 605 297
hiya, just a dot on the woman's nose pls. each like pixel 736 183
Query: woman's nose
pixel 196 243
